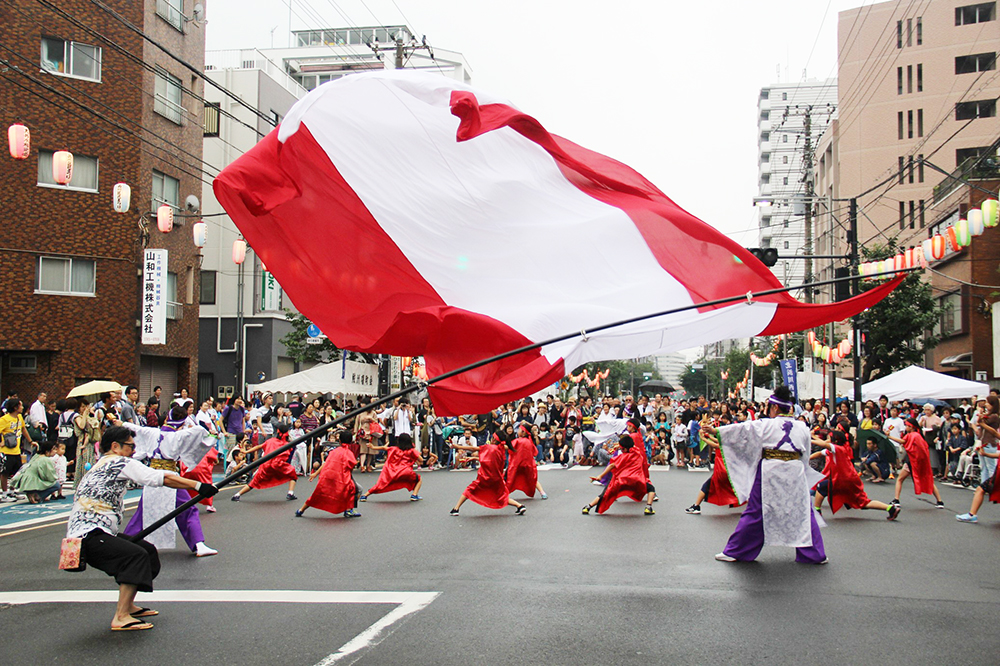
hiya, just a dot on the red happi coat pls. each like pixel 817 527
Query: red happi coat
pixel 335 489
pixel 277 470
pixel 628 478
pixel 920 463
pixel 641 445
pixel 489 488
pixel 720 490
pixel 203 472
pixel 397 473
pixel 845 484
pixel 522 472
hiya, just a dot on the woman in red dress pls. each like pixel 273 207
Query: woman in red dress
pixel 717 489
pixel 202 472
pixel 629 478
pixel 397 473
pixel 489 488
pixel 336 492
pixel 917 465
pixel 522 470
pixel 843 485
pixel 275 471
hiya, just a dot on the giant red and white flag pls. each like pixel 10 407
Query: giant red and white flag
pixel 405 213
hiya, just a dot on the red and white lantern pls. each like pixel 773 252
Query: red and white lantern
pixel 165 218
pixel 811 337
pixel 938 246
pixel 898 262
pixel 62 167
pixel 122 197
pixel 19 141
pixel 200 232
pixel 239 251
pixel 952 237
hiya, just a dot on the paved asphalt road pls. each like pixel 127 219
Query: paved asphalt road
pixel 551 587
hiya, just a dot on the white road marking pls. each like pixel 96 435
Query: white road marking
pixel 406 604
pixel 55 516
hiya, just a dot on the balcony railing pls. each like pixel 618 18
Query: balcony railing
pixel 987 169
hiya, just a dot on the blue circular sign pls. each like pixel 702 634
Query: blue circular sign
pixel 313 331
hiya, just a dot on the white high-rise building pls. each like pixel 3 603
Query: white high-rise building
pixel 784 109
pixel 671 367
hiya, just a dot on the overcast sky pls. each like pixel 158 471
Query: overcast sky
pixel 668 88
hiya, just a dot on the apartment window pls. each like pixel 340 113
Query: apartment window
pixel 899 80
pixel 275 118
pixel 784 159
pixel 920 77
pixel 909 78
pixel 785 223
pixel 174 308
pixel 167 99
pixel 899 124
pixel 920 171
pixel 902 213
pixel 981 109
pixel 80 61
pixel 786 245
pixel 207 295
pixel 765 221
pixel 785 180
pixel 951 318
pixel 24 364
pixel 765 93
pixel 84 172
pixel 909 124
pixel 923 220
pixel 211 125
pixel 765 115
pixel 166 190
pixel 909 168
pixel 979 62
pixel 980 13
pixel 765 179
pixel 912 210
pixel 902 163
pixel 765 157
pixel 67 277
pixel 765 136
pixel 920 30
pixel 963 155
pixel 899 34
pixel 784 138
pixel 784 97
pixel 909 32
pixel 920 122
pixel 171 11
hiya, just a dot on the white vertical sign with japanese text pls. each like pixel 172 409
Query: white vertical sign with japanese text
pixel 154 297
pixel 395 373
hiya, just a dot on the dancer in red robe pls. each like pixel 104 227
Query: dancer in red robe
pixel 397 473
pixel 629 478
pixel 275 471
pixel 842 484
pixel 489 488
pixel 202 472
pixel 336 492
pixel 917 465
pixel 717 489
pixel 522 471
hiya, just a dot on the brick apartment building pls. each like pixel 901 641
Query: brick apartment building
pixel 81 79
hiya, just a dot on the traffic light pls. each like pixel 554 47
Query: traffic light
pixel 767 255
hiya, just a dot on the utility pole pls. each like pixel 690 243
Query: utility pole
pixel 807 165
pixel 402 49
pixel 855 290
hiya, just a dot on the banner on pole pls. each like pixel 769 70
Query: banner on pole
pixel 790 375
pixel 154 297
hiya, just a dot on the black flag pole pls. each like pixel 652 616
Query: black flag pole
pixel 749 297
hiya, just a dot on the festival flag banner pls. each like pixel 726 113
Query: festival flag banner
pixel 447 247
pixel 154 297
pixel 790 375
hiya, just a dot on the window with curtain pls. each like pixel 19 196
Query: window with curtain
pixel 65 58
pixel 71 277
pixel 85 172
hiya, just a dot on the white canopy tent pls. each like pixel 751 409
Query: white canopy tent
pixel 346 377
pixel 811 387
pixel 915 382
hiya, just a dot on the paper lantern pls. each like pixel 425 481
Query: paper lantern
pixel 844 348
pixel 811 337
pixel 925 247
pixel 121 197
pixel 835 357
pixel 165 218
pixel 62 167
pixel 991 212
pixel 239 251
pixel 976 226
pixel 962 233
pixel 938 246
pixel 952 236
pixel 200 232
pixel 898 261
pixel 19 141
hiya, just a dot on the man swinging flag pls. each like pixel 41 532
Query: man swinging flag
pixel 405 213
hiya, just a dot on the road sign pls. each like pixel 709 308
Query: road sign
pixel 697 366
pixel 313 331
pixel 314 341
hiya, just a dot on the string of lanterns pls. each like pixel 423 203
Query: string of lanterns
pixel 766 360
pixel 953 239
pixel 593 382
pixel 828 354
pixel 19 144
